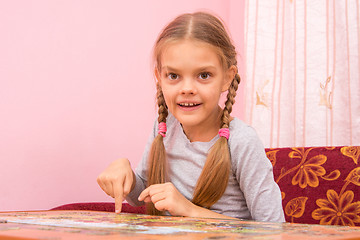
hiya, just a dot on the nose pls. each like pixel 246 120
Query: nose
pixel 188 86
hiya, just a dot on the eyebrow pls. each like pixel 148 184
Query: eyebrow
pixel 202 68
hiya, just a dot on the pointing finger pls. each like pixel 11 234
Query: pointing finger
pixel 118 195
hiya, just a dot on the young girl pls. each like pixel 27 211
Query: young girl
pixel 200 161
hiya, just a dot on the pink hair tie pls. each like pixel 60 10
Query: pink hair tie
pixel 224 132
pixel 162 129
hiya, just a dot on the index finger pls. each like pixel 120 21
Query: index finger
pixel 118 195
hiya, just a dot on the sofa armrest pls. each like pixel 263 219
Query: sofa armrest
pixel 101 206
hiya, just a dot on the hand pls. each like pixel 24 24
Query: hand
pixel 117 181
pixel 166 197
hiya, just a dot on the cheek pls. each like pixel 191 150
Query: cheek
pixel 212 94
pixel 168 97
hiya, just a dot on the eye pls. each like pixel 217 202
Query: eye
pixel 172 76
pixel 204 75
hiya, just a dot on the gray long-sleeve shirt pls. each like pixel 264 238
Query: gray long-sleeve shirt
pixel 251 192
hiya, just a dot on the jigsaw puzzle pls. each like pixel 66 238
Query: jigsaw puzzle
pixel 105 225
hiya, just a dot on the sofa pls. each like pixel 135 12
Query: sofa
pixel 319 185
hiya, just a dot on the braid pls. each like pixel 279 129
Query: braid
pixel 214 177
pixel 230 101
pixel 163 112
pixel 157 155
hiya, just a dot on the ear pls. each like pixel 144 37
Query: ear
pixel 157 75
pixel 228 78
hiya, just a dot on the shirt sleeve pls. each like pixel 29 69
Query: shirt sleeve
pixel 141 173
pixel 254 173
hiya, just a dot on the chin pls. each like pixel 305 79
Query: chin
pixel 188 120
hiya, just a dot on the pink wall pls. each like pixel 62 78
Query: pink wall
pixel 76 91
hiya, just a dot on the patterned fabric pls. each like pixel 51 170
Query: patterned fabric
pixel 319 185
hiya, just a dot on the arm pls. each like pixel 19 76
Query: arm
pixel 206 213
pixel 255 176
pixel 141 172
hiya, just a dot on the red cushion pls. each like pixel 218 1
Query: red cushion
pixel 319 184
pixel 101 206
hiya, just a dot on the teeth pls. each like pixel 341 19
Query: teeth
pixel 188 104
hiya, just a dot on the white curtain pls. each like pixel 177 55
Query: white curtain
pixel 302 85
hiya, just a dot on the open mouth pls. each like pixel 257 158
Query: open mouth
pixel 188 104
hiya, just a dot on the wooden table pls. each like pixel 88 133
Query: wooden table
pixel 59 225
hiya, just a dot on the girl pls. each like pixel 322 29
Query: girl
pixel 200 161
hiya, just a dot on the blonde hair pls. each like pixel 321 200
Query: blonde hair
pixel 214 177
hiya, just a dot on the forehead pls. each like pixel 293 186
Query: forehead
pixel 190 53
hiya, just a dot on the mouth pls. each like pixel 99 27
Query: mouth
pixel 187 104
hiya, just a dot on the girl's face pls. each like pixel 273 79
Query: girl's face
pixel 192 79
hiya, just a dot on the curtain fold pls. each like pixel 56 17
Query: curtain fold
pixel 302 72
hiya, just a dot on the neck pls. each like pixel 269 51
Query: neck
pixel 206 131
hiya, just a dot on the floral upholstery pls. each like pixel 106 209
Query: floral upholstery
pixel 319 185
